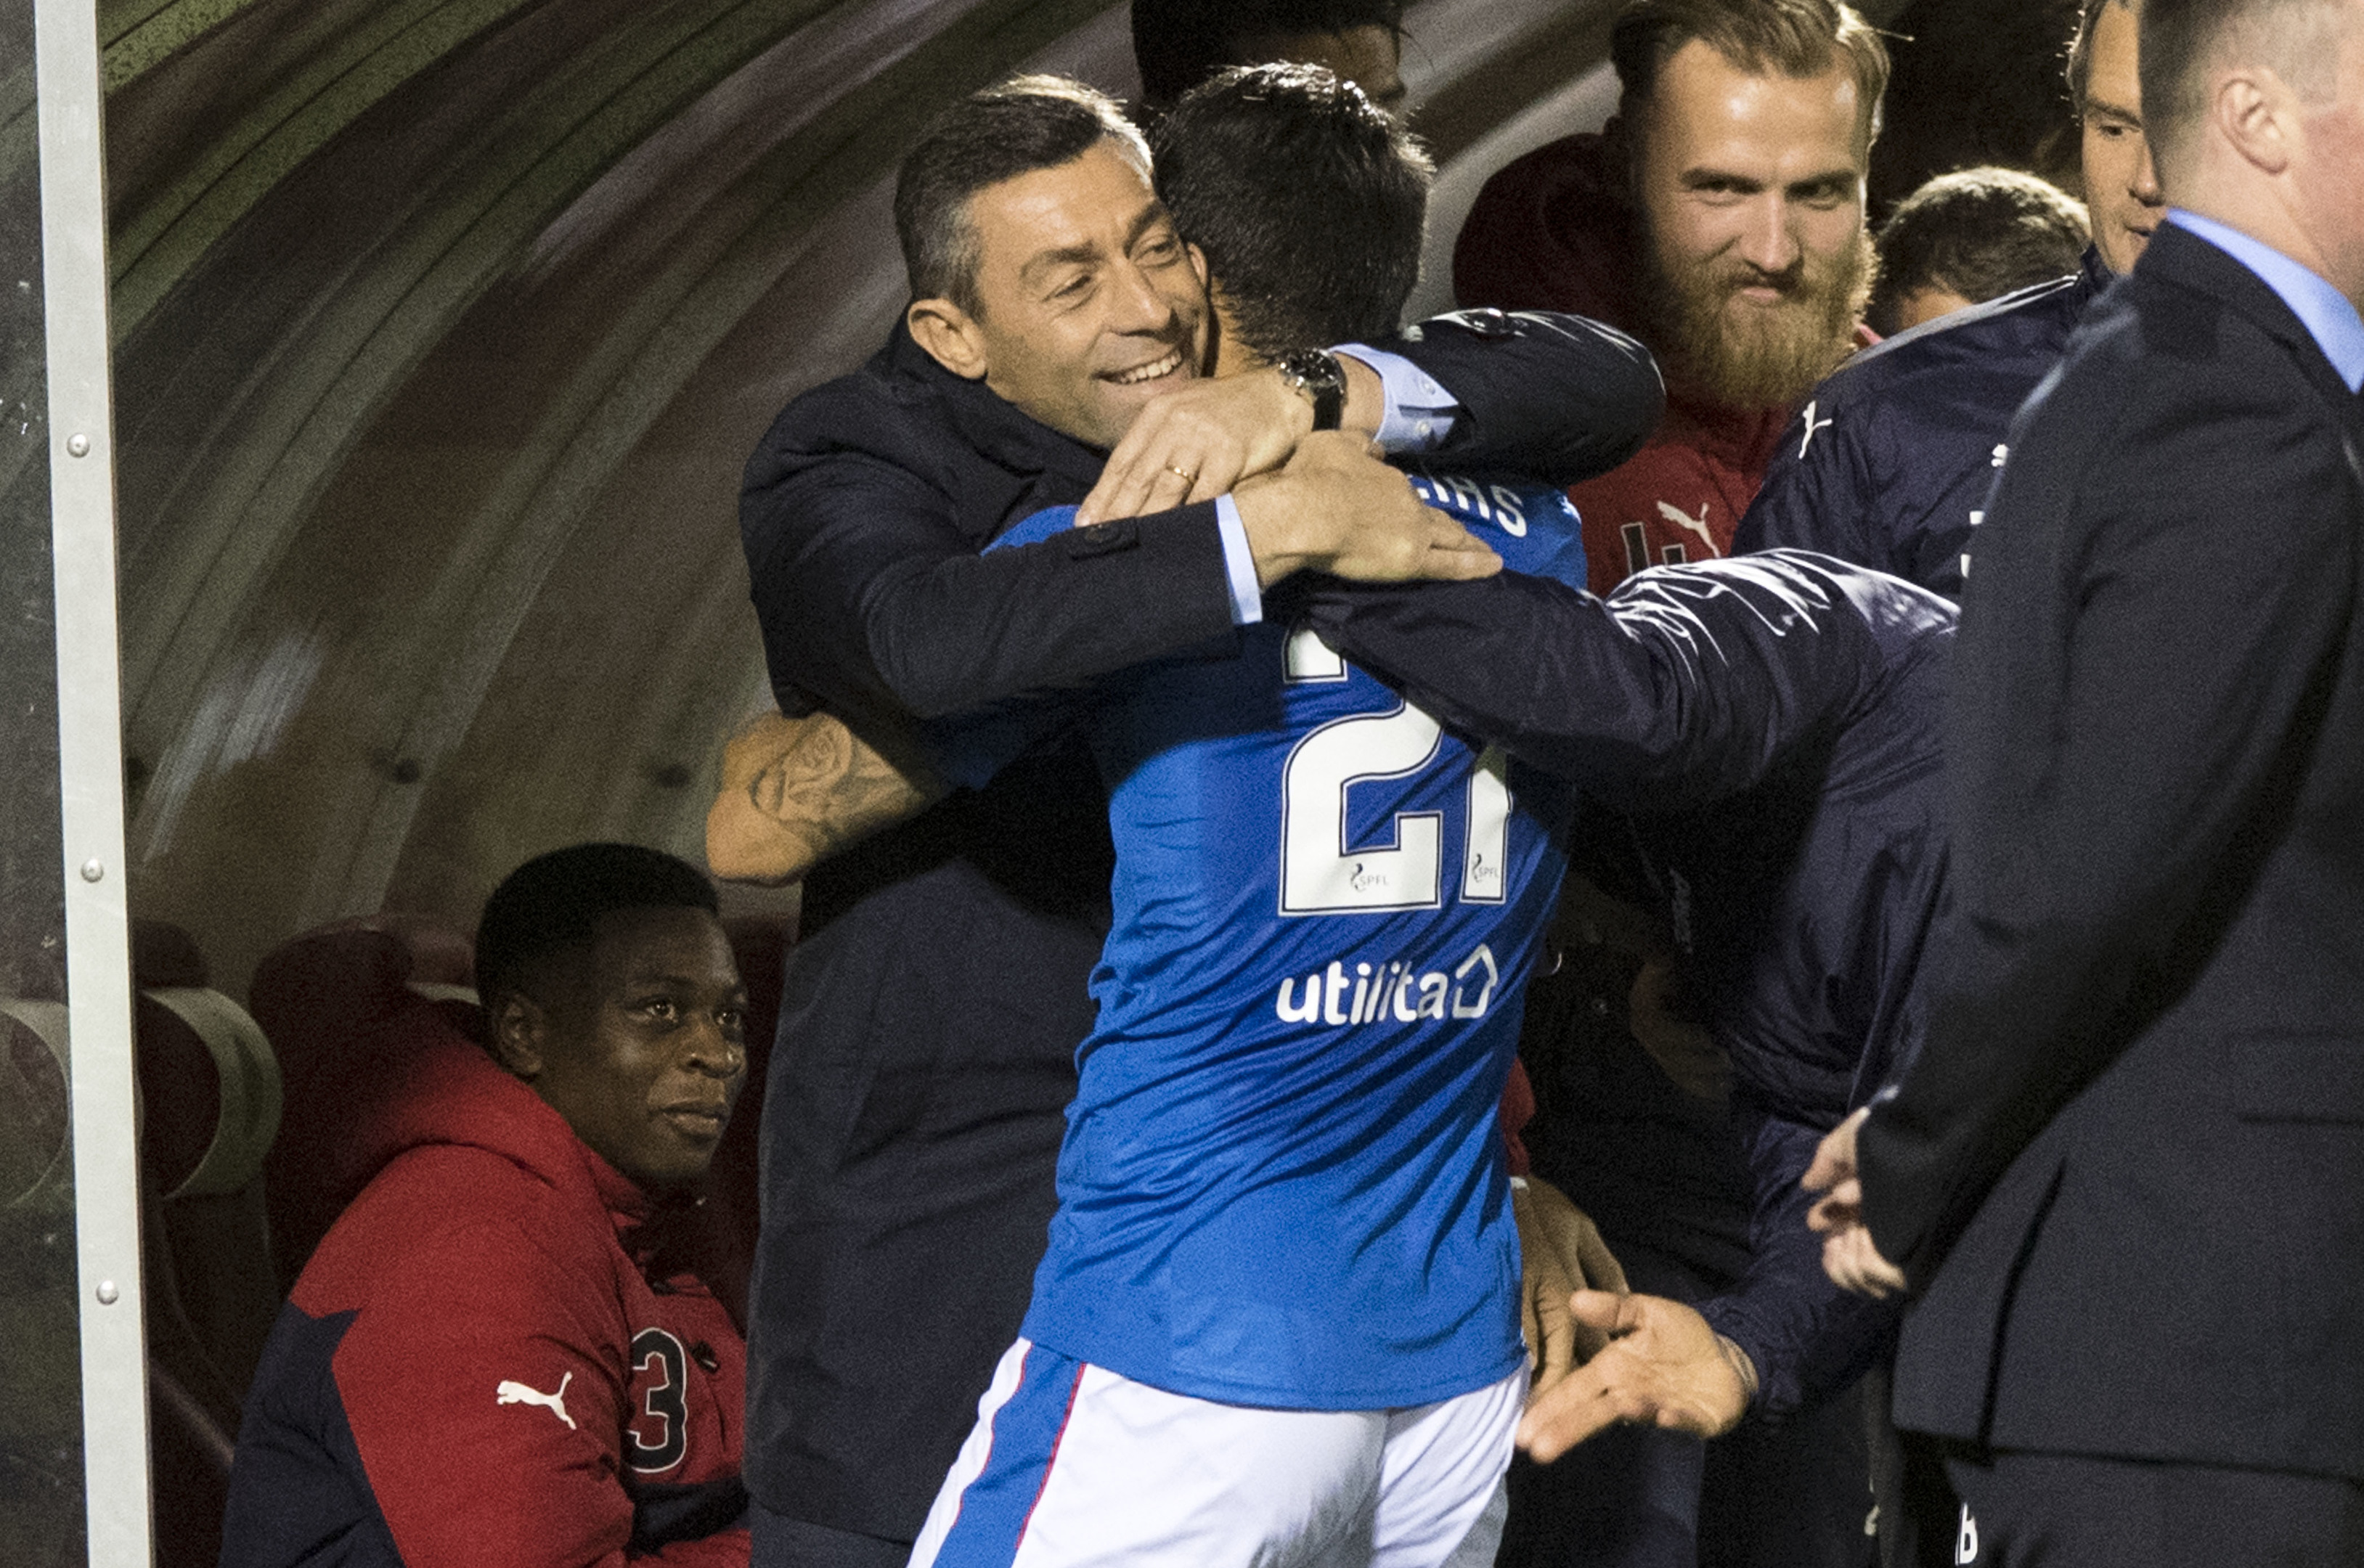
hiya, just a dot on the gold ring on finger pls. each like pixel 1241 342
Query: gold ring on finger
pixel 1184 475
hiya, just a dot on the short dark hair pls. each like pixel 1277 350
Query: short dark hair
pixel 554 902
pixel 1978 233
pixel 1180 43
pixel 2081 49
pixel 1796 38
pixel 2181 41
pixel 1015 127
pixel 1308 199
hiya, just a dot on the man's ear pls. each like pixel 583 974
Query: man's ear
pixel 520 1029
pixel 2252 110
pixel 950 335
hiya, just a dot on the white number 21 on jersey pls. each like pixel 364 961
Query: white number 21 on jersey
pixel 1320 871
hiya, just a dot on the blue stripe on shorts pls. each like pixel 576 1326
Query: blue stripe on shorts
pixel 994 1507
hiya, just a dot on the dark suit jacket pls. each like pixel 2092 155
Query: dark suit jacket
pixel 931 1015
pixel 2127 1170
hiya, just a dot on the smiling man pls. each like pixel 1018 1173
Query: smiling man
pixel 940 994
pixel 483 1363
pixel 1720 220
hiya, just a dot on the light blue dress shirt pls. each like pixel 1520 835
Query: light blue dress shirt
pixel 2328 315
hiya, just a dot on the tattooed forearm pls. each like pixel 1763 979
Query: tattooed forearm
pixel 833 788
pixel 795 790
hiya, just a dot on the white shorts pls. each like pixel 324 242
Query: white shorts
pixel 1070 1464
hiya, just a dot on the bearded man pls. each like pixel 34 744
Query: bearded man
pixel 1719 218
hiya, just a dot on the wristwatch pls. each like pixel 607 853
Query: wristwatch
pixel 1322 379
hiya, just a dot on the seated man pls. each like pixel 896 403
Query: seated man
pixel 1969 236
pixel 483 1363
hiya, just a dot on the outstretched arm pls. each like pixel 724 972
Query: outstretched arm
pixel 1685 688
pixel 1664 1367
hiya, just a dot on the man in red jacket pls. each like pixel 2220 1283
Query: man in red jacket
pixel 484 1365
pixel 1720 220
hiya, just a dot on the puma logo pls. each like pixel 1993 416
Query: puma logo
pixel 554 1402
pixel 1698 524
pixel 1812 425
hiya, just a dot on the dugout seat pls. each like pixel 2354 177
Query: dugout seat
pixel 209 1103
pixel 331 1001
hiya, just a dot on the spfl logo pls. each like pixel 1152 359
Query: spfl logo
pixel 1394 990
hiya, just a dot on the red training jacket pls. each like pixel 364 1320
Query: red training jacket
pixel 474 1370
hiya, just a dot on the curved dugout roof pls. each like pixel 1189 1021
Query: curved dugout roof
pixel 443 328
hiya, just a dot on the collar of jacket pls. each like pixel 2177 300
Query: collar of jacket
pixel 2093 274
pixel 428 1085
pixel 2180 258
pixel 985 422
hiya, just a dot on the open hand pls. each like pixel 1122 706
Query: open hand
pixel 1335 507
pixel 1664 1366
pixel 1849 1256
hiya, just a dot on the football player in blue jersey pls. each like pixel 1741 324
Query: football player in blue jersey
pixel 1277 1320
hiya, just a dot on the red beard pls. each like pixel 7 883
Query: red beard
pixel 1729 351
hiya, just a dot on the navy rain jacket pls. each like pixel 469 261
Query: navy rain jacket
pixel 1768 728
pixel 1890 462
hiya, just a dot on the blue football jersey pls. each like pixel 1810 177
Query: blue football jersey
pixel 1282 1183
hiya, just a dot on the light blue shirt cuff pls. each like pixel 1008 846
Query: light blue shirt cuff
pixel 1239 564
pixel 1420 413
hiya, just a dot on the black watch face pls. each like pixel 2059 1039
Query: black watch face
pixel 1324 380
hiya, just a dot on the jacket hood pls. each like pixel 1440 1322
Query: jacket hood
pixel 1553 231
pixel 427 1084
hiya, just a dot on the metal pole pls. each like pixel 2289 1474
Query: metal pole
pixel 90 748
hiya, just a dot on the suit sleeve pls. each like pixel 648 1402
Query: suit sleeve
pixel 1558 397
pixel 2146 653
pixel 875 602
pixel 462 1478
pixel 1807 1338
pixel 1685 688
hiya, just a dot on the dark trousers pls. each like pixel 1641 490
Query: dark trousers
pixel 1792 1494
pixel 2042 1511
pixel 783 1542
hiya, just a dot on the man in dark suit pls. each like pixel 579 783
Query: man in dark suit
pixel 2126 1177
pixel 934 1008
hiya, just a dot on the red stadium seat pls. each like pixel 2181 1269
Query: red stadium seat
pixel 331 1001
